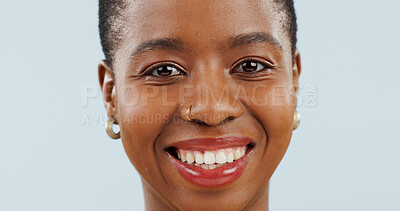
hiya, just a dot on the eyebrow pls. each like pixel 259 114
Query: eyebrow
pixel 158 44
pixel 251 38
pixel 178 44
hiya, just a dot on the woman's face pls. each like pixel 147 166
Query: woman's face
pixel 231 62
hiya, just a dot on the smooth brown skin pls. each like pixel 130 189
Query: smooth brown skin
pixel 228 103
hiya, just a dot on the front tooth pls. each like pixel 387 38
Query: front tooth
pixel 220 164
pixel 230 157
pixel 212 166
pixel 204 166
pixel 183 157
pixel 238 154
pixel 189 157
pixel 209 157
pixel 221 157
pixel 199 158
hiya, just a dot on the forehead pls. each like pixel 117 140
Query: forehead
pixel 200 24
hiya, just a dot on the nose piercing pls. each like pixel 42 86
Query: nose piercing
pixel 187 113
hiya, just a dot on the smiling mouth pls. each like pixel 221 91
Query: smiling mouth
pixel 211 162
pixel 210 159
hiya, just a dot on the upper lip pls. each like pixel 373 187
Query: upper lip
pixel 208 144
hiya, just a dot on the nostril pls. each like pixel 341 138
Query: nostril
pixel 229 118
pixel 198 121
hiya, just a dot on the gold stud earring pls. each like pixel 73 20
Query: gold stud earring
pixel 296 120
pixel 109 129
pixel 187 113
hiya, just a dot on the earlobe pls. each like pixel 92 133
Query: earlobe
pixel 107 86
pixel 296 70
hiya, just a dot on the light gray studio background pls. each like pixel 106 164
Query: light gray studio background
pixel 55 154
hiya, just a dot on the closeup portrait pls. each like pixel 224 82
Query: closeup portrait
pixel 200 105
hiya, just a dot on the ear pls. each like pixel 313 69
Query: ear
pixel 296 70
pixel 107 85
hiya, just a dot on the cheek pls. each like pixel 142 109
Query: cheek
pixel 143 112
pixel 145 109
pixel 272 105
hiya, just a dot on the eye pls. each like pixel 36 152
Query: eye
pixel 165 70
pixel 250 66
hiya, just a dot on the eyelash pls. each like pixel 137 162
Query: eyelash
pixel 149 73
pixel 265 67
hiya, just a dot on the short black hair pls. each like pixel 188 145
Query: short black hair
pixel 110 12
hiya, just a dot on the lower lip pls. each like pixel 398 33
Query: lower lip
pixel 212 178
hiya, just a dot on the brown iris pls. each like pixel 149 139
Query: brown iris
pixel 164 70
pixel 249 66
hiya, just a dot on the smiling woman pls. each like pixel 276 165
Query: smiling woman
pixel 216 82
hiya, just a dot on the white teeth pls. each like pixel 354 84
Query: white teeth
pixel 238 154
pixel 189 158
pixel 230 157
pixel 221 157
pixel 209 157
pixel 199 157
pixel 183 157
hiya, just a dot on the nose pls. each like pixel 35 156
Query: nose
pixel 213 102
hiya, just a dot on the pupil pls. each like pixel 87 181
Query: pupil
pixel 249 66
pixel 164 71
